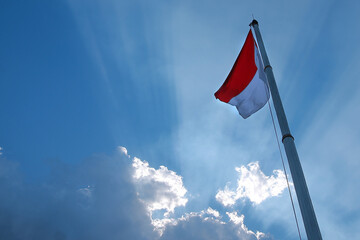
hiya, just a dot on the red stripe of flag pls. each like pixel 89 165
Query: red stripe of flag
pixel 242 72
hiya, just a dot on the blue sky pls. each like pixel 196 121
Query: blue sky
pixel 110 129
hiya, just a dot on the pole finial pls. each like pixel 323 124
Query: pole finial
pixel 254 22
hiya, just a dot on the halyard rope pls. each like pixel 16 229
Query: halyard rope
pixel 283 164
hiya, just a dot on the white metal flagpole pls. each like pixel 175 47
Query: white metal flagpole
pixel 302 192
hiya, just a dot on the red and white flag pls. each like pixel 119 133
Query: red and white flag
pixel 246 85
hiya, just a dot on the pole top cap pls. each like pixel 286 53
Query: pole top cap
pixel 254 22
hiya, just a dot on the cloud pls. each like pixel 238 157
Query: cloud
pixel 92 200
pixel 162 189
pixel 162 224
pixel 254 185
pixel 204 225
pixel 158 189
pixel 123 150
pixel 239 220
pixel 213 212
pixel 107 197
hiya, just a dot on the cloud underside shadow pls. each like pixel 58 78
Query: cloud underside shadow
pixel 107 197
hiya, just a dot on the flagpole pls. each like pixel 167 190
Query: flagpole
pixel 302 192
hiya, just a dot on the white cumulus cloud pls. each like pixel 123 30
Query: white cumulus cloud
pixel 254 185
pixel 204 225
pixel 239 220
pixel 123 150
pixel 159 189
pixel 97 194
pixel 213 212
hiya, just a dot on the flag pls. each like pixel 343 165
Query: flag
pixel 246 85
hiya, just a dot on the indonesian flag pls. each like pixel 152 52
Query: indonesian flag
pixel 246 85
